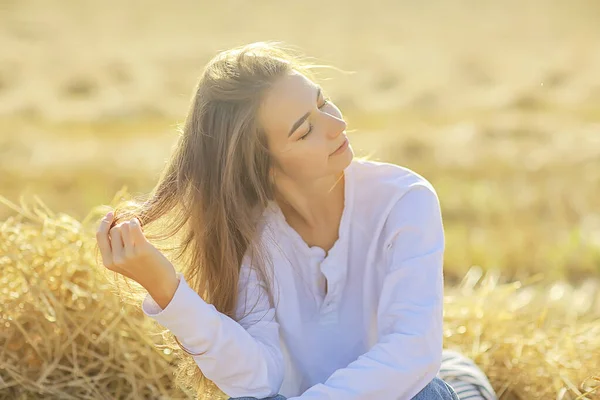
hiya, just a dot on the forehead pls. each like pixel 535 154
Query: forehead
pixel 286 101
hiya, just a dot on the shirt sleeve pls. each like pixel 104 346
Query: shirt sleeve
pixel 242 358
pixel 408 353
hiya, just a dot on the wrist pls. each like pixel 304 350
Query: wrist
pixel 163 293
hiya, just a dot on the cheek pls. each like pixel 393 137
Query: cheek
pixel 309 160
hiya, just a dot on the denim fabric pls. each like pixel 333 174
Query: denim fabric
pixel 278 397
pixel 437 389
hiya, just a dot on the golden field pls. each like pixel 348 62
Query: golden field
pixel 497 104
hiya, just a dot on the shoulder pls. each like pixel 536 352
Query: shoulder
pixel 383 185
pixel 386 176
pixel 397 199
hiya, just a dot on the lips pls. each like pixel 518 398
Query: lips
pixel 343 143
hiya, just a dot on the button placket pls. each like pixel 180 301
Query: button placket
pixel 332 285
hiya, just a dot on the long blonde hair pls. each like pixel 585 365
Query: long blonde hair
pixel 217 181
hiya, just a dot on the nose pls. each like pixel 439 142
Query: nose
pixel 336 125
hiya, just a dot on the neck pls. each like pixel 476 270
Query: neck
pixel 313 203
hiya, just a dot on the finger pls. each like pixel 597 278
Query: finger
pixel 102 239
pixel 136 233
pixel 128 243
pixel 116 242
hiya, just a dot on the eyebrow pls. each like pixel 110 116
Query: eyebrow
pixel 303 118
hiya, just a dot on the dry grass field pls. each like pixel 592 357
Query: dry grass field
pixel 496 103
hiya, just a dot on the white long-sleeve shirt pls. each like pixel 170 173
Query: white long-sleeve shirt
pixel 375 334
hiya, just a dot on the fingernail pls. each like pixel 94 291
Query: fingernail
pixel 110 214
pixel 135 221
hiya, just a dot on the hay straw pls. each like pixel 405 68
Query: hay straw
pixel 65 333
pixel 534 341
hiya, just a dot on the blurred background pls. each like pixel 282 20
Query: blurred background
pixel 496 103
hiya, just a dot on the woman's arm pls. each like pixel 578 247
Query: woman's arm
pixel 242 359
pixel 410 315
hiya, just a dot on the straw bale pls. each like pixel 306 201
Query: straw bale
pixel 67 334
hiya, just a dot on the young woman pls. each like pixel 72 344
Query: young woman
pixel 310 274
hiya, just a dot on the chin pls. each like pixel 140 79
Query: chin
pixel 347 157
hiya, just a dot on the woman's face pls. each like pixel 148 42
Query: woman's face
pixel 303 130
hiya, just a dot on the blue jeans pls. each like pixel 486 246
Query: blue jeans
pixel 437 389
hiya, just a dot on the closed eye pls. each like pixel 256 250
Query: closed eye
pixel 309 124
